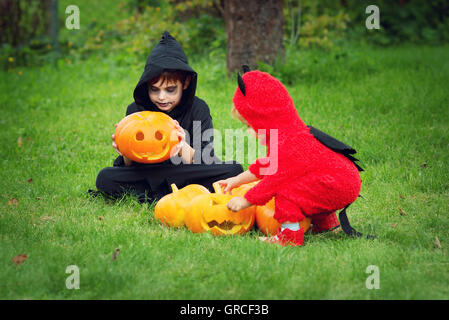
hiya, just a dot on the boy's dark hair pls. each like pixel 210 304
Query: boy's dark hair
pixel 170 75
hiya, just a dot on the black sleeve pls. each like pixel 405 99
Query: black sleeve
pixel 133 107
pixel 119 162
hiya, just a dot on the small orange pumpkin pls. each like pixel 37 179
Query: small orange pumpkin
pixel 209 213
pixel 268 224
pixel 146 136
pixel 171 209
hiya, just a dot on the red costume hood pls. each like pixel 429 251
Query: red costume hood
pixel 266 99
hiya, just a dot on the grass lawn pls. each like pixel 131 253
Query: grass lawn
pixel 392 105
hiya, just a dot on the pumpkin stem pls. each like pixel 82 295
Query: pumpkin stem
pixel 217 188
pixel 174 187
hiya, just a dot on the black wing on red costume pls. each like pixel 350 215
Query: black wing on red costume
pixel 335 145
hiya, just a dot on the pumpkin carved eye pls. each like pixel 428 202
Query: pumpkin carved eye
pixel 158 135
pixel 140 136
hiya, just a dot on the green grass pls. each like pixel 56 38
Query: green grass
pixel 390 104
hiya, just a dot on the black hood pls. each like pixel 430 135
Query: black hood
pixel 167 54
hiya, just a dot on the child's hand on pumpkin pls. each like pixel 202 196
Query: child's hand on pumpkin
pixel 183 149
pixel 238 203
pixel 228 184
pixel 182 138
pixel 114 145
pixel 127 161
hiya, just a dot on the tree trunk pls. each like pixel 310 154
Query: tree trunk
pixel 254 31
pixel 53 25
pixel 10 16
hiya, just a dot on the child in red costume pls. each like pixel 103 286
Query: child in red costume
pixel 305 177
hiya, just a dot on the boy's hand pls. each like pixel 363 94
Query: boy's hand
pixel 114 145
pixel 127 161
pixel 238 203
pixel 229 184
pixel 182 138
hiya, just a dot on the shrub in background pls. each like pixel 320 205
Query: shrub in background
pixel 130 28
pixel 417 21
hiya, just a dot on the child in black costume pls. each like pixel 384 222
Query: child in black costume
pixel 168 85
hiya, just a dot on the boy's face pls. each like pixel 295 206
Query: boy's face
pixel 166 95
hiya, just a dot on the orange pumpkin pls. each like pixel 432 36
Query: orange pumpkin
pixel 240 191
pixel 147 136
pixel 268 224
pixel 171 209
pixel 209 213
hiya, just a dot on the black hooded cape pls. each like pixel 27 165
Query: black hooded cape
pixel 169 55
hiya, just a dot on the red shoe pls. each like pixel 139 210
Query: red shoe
pixel 286 237
pixel 324 222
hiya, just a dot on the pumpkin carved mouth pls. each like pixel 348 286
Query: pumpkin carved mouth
pixel 160 149
pixel 219 220
pixel 209 213
pixel 149 156
pixel 147 137
pixel 225 227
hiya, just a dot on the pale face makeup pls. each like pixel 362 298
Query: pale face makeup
pixel 166 95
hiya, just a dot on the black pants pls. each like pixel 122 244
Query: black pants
pixel 152 182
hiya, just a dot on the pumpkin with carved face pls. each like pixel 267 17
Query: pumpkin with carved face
pixel 171 209
pixel 268 224
pixel 209 213
pixel 147 137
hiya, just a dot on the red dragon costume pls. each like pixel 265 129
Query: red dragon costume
pixel 311 179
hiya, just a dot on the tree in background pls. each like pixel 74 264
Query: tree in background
pixel 24 20
pixel 254 32
pixel 239 32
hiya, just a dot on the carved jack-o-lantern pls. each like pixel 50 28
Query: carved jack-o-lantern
pixel 147 136
pixel 268 224
pixel 209 213
pixel 171 208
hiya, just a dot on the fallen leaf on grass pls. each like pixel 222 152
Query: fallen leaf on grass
pixel 13 201
pixel 437 242
pixel 403 213
pixel 19 142
pixel 30 180
pixel 47 218
pixel 115 254
pixel 19 259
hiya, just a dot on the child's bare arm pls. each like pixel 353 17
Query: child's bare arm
pixel 238 203
pixel 234 182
